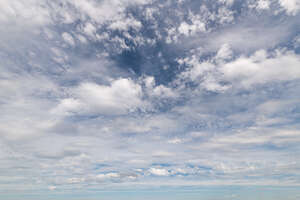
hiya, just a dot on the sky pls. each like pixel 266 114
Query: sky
pixel 150 99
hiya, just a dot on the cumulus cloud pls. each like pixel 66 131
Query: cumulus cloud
pixel 263 4
pixel 120 97
pixel 259 68
pixel 159 172
pixel 190 29
pixel 224 52
pixel 291 6
pixel 68 39
pixel 159 91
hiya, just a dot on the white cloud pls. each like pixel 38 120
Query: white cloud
pixel 120 97
pixel 211 83
pixel 159 172
pixel 243 37
pixel 225 15
pixel 81 38
pixel 101 177
pixel 259 69
pixel 224 52
pixel 159 91
pixel 203 73
pixel 105 10
pixel 162 91
pixel 125 24
pixel 20 12
pixel 198 69
pixel 22 107
pixel 68 38
pixel 190 29
pixel 175 141
pixel 228 2
pixel 263 5
pixel 89 29
pixel 291 6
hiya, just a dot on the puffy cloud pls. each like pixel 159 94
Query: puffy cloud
pixel 159 91
pixel 159 172
pixel 291 6
pixel 199 69
pixel 68 38
pixel 224 52
pixel 125 24
pixel 89 29
pixel 263 4
pixel 120 97
pixel 261 69
pixel 190 29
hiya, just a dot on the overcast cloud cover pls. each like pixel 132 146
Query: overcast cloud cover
pixel 102 97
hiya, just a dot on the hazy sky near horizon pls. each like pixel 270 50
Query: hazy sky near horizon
pixel 150 99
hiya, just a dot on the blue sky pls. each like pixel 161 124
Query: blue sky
pixel 149 99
